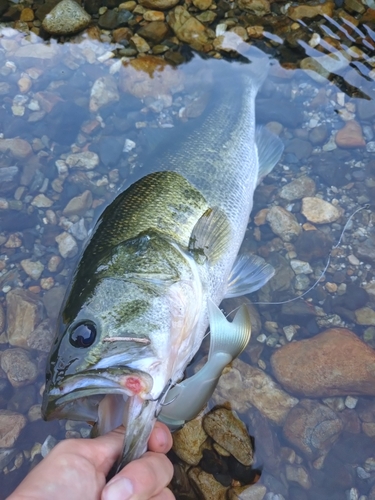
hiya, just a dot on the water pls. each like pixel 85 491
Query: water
pixel 70 98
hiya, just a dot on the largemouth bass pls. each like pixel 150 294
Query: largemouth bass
pixel 162 257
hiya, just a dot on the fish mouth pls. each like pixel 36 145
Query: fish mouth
pixel 78 397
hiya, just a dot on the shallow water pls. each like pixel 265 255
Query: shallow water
pixel 63 99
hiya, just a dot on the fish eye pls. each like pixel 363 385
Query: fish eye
pixel 83 335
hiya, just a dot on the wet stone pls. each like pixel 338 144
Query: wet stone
pixel 312 428
pixel 312 245
pixel 283 223
pixel 252 492
pixel 365 316
pixel 158 4
pixel 350 136
pixel 300 148
pixel 188 442
pixel 22 399
pixel 32 268
pixel 230 433
pixel 298 474
pixel 52 301
pixel 103 92
pixel 299 188
pixel 86 160
pixel 42 337
pixel 258 7
pixel 18 148
pixel 79 204
pixel 366 250
pixel 24 313
pixel 333 363
pixel 188 29
pixel 66 18
pixel 18 366
pixel 11 425
pixel 318 135
pixel 155 31
pixel 67 245
pixel 319 211
pixel 208 487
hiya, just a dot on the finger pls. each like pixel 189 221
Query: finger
pixel 166 494
pixel 141 479
pixel 161 439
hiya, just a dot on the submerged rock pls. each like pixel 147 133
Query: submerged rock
pixel 188 442
pixel 299 188
pixel 283 223
pixel 333 363
pixel 11 425
pixel 319 211
pixel 66 18
pixel 24 313
pixel 350 136
pixel 312 427
pixel 19 367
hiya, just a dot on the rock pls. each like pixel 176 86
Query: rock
pixel 333 363
pixel 226 429
pixel 66 18
pixel 188 29
pixel 350 136
pixel 319 211
pixel 11 425
pixel 259 7
pixel 366 250
pixel 158 4
pixel 42 337
pixel 299 188
pixel 113 19
pixel 24 313
pixel 79 204
pixel 207 486
pixel 53 300
pixel 17 148
pixel 300 267
pixel 313 245
pixel 154 15
pixel 41 201
pixel 155 31
pixel 283 223
pixel 36 51
pixel 23 398
pixel 87 160
pixel 6 454
pixel 103 92
pixel 18 366
pixel 318 135
pixel 2 318
pixel 135 77
pixel 366 109
pixel 252 492
pixel 32 268
pixel 78 230
pixel 312 428
pixel 139 44
pixel 188 442
pixel 310 11
pixel 245 386
pixel 300 148
pixel 47 446
pixel 67 245
pixel 27 15
pixel 202 4
pixel 319 68
pixel 298 474
pixel 365 316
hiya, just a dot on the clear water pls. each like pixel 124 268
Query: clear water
pixel 61 77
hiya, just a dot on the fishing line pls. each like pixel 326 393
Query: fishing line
pixel 367 206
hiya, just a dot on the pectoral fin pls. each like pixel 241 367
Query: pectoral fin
pixel 211 235
pixel 270 149
pixel 249 273
pixel 184 401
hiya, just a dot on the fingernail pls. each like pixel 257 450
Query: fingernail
pixel 119 489
pixel 161 437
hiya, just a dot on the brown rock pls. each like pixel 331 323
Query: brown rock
pixel 259 7
pixel 309 11
pixel 350 136
pixel 158 4
pixel 319 211
pixel 18 366
pixel 24 313
pixel 188 442
pixel 188 29
pixel 11 425
pixel 333 363
pixel 42 337
pixel 79 204
pixel 27 15
pixel 312 427
pixel 208 487
pixel 230 433
pixel 18 148
pixel 155 31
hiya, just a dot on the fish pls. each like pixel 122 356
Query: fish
pixel 160 260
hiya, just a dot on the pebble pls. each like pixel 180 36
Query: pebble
pixel 206 485
pixel 24 313
pixel 188 29
pixel 226 429
pixel 49 443
pixel 298 474
pixel 158 4
pixel 202 4
pixel 18 148
pixel 2 318
pixel 41 201
pixel 333 363
pixel 312 428
pixel 310 11
pixel 319 211
pixel 18 366
pixel 155 31
pixel 11 425
pixel 188 442
pixel 140 44
pixel 297 189
pixel 32 268
pixel 154 15
pixel 300 267
pixel 66 18
pixel 252 492
pixel 283 223
pixel 365 316
pixel 258 7
pixel 350 136
pixel 79 204
pixel 42 337
pixel 103 92
pixel 245 386
pixel 87 160
pixel 67 245
pixel 319 68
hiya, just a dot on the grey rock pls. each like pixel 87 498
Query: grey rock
pixel 18 366
pixel 66 18
pixel 11 425
pixel 53 300
pixel 283 223
pixel 49 443
pixel 42 337
pixel 299 188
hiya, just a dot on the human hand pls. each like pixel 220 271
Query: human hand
pixel 76 469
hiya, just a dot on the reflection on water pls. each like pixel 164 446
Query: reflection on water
pixel 75 123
